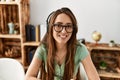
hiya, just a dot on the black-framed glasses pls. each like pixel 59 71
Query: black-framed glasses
pixel 59 27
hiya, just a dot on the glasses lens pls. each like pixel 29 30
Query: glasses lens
pixel 69 28
pixel 59 27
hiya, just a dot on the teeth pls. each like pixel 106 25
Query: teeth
pixel 63 36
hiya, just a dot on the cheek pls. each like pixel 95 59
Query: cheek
pixel 70 35
pixel 54 34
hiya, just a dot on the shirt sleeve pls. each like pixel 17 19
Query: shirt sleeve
pixel 41 52
pixel 81 52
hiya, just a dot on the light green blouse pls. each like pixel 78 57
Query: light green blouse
pixel 81 53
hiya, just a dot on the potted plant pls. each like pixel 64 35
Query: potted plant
pixel 112 43
pixel 103 65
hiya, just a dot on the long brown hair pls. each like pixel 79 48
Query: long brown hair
pixel 51 47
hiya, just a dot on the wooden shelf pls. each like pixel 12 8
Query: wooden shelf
pixel 9 3
pixel 103 73
pixel 104 48
pixel 10 36
pixel 31 43
pixel 101 46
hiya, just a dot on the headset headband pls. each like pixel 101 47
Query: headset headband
pixel 48 18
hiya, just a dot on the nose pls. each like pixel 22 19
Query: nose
pixel 63 30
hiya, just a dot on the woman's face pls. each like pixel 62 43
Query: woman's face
pixel 62 29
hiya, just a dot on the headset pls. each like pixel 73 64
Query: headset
pixel 47 21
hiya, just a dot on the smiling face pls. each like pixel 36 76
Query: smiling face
pixel 63 36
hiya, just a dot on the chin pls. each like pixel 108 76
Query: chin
pixel 62 42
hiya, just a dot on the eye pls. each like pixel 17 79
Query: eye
pixel 57 25
pixel 69 26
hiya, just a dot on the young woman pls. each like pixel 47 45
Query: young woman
pixel 59 54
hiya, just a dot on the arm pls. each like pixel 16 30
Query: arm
pixel 33 69
pixel 90 68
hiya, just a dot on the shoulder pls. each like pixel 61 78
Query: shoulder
pixel 80 45
pixel 81 51
pixel 42 47
pixel 41 51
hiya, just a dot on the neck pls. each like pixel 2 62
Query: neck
pixel 61 53
pixel 61 47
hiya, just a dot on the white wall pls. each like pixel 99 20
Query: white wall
pixel 100 15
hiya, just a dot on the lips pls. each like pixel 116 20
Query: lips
pixel 63 36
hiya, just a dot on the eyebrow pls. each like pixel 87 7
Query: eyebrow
pixel 62 23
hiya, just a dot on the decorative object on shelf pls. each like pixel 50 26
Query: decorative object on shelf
pixel 17 0
pixel 96 36
pixel 11 28
pixel 15 31
pixel 8 0
pixel 103 65
pixel 118 69
pixel 112 43
pixel 82 40
pixel 13 52
pixel 2 0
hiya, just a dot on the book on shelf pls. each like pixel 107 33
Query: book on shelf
pixel 37 33
pixel 27 30
pixel 30 57
pixel 43 30
pixel 31 52
pixel 32 32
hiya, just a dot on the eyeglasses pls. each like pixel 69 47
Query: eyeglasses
pixel 59 27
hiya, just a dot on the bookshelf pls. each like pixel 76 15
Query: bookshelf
pixel 17 13
pixel 32 40
pixel 110 55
